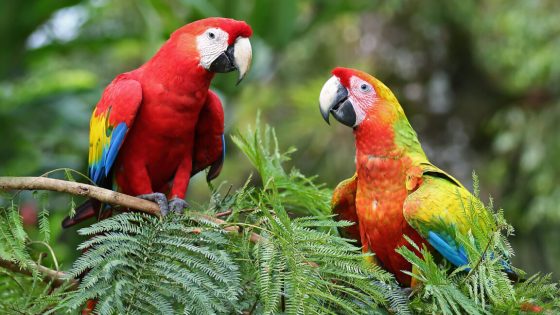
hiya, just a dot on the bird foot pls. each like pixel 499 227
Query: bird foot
pixel 410 292
pixel 177 205
pixel 158 198
pixel 407 291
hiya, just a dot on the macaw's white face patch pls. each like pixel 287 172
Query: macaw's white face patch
pixel 211 44
pixel 362 95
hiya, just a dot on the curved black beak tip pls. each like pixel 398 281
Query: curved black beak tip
pixel 344 112
pixel 225 62
pixel 326 116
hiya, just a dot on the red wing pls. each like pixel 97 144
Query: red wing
pixel 209 144
pixel 110 122
pixel 343 204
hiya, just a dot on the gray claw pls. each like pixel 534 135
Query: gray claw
pixel 158 198
pixel 177 205
pixel 408 292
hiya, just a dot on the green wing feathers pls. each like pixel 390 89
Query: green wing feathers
pixel 440 208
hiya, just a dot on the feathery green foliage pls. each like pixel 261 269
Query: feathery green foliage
pixel 24 293
pixel 303 266
pixel 136 263
pixel 297 191
pixel 13 238
pixel 288 258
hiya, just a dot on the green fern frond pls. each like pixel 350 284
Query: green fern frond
pixel 154 265
pixel 13 238
pixel 299 193
pixel 303 269
pixel 22 294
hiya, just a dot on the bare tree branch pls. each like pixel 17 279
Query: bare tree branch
pixel 79 189
pixel 85 190
pixel 57 277
pixel 98 193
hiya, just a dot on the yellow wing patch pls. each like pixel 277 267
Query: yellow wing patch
pixel 98 136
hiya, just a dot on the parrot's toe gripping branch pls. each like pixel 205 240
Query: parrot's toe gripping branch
pixel 408 292
pixel 177 205
pixel 158 198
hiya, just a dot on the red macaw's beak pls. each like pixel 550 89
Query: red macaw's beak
pixel 236 57
pixel 334 100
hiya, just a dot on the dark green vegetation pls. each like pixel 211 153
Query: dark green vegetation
pixel 478 79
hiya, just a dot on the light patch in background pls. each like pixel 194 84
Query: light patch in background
pixel 439 93
pixel 63 26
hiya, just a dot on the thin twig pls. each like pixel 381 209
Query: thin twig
pixel 230 211
pixel 223 214
pixel 57 277
pixel 51 251
pixel 254 306
pixel 482 256
pixel 254 237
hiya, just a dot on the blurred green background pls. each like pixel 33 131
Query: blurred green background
pixel 478 79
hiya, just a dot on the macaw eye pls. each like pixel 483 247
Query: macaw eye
pixel 365 88
pixel 211 35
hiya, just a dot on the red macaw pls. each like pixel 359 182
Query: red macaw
pixel 158 125
pixel 396 191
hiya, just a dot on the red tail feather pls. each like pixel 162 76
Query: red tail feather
pixel 86 210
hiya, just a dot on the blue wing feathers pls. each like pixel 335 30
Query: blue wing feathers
pixel 116 141
pixel 102 168
pixel 95 172
pixel 456 254
pixel 448 249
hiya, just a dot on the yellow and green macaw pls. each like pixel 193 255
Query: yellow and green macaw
pixel 396 192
